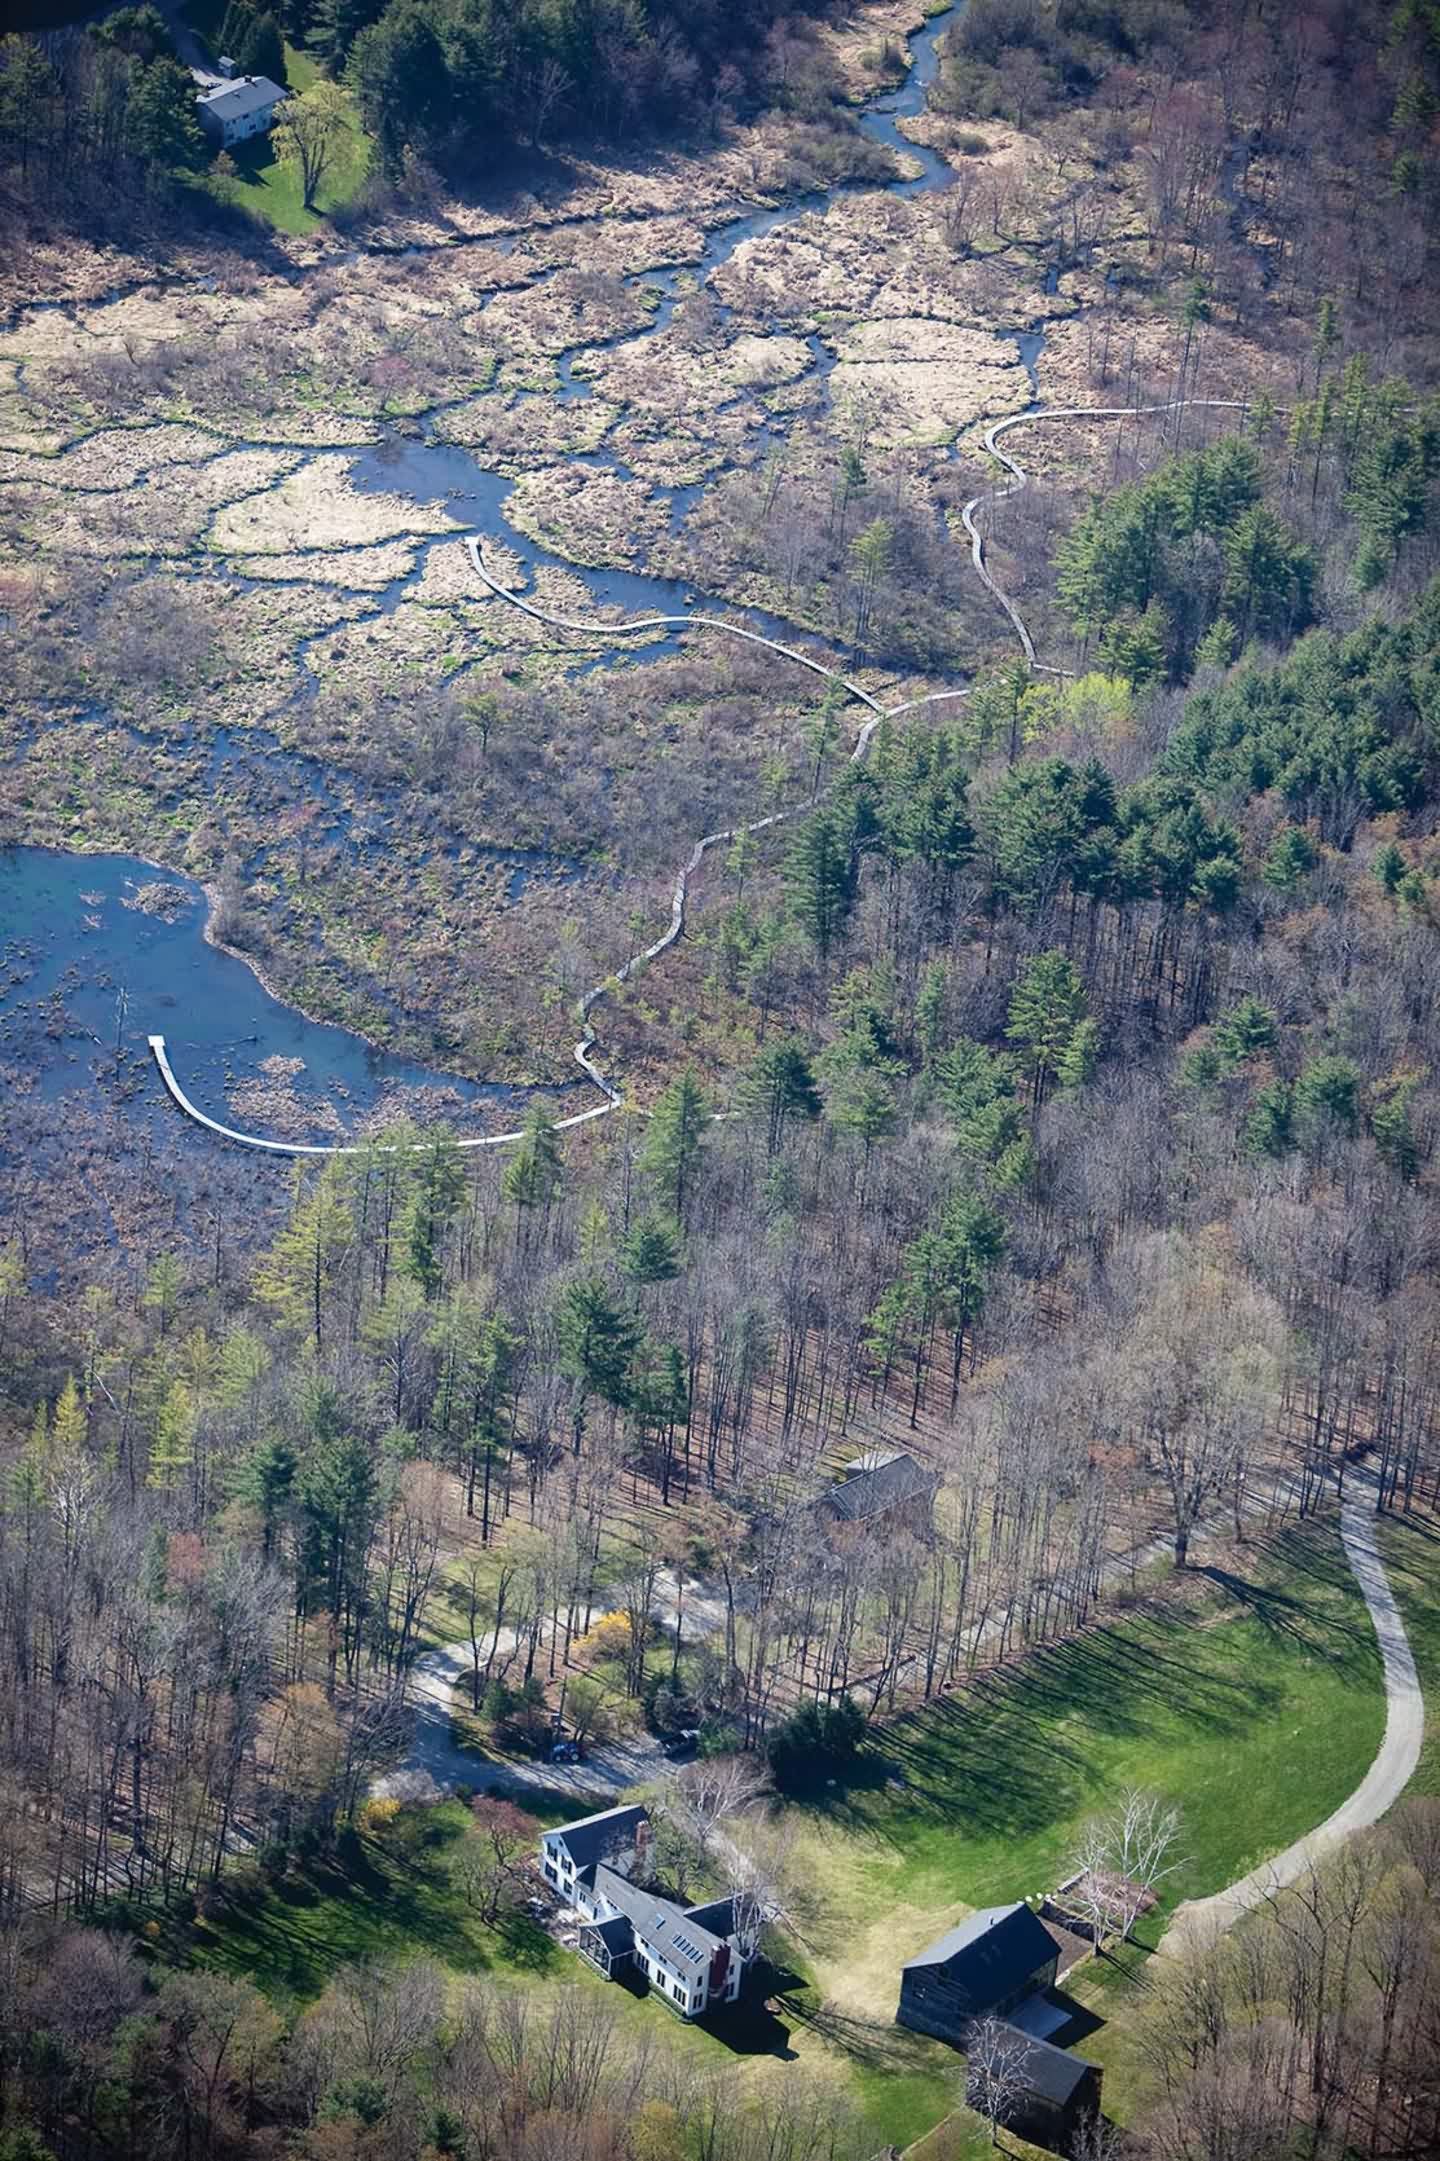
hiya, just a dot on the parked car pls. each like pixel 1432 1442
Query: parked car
pixel 680 1745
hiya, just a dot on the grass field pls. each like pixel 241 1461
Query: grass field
pixel 1252 1699
pixel 270 190
pixel 388 1895
pixel 1256 1709
pixel 1412 1557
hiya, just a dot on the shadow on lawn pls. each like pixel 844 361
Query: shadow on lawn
pixel 1309 1619
pixel 751 2027
pixel 876 2046
pixel 365 1900
pixel 1081 2023
pixel 1409 1558
pixel 999 1755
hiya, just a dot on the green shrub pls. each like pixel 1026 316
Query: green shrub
pixel 814 1742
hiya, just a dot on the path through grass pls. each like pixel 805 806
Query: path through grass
pixel 1412 1558
pixel 1253 1699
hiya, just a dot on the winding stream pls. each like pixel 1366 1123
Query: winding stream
pixel 432 470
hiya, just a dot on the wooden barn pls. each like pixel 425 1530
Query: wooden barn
pixel 984 1968
pixel 1057 2097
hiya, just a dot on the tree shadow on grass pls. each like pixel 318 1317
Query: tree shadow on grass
pixel 359 1902
pixel 1307 1611
pixel 527 1946
pixel 1417 1528
pixel 1003 1755
pixel 1410 1557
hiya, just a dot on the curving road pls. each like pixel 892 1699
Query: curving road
pixel 1199 1921
pixel 640 625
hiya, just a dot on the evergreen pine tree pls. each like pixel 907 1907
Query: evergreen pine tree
pixel 675 1142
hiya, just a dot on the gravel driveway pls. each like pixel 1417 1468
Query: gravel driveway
pixel 606 1771
pixel 1199 1921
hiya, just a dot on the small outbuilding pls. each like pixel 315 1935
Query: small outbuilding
pixel 982 1969
pixel 883 1486
pixel 1057 2095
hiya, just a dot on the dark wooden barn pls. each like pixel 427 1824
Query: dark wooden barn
pixel 983 1968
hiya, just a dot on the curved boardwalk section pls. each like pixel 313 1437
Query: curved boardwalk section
pixel 1201 1920
pixel 352 1148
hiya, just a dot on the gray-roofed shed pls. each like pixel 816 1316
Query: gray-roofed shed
pixel 879 1487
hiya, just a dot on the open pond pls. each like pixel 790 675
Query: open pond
pixel 87 973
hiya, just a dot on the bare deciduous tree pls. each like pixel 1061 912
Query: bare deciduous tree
pixel 995 2071
pixel 1122 1857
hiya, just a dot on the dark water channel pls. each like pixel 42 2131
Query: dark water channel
pixel 429 471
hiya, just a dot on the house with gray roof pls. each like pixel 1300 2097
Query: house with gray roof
pixel 230 112
pixel 569 1856
pixel 882 1487
pixel 694 1956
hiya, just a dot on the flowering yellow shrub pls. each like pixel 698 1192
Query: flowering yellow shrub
pixel 609 1638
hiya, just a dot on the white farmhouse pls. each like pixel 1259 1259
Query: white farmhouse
pixel 694 1956
pixel 230 112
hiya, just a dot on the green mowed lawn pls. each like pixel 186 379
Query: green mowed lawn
pixel 260 183
pixel 1108 1988
pixel 1252 1699
pixel 270 190
pixel 383 1895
